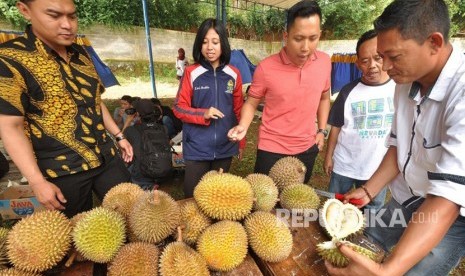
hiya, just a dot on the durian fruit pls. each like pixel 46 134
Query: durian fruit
pixel 193 222
pixel 3 249
pixel 209 173
pixel 342 221
pixel 224 196
pixel 154 217
pixel 287 171
pixel 269 236
pixel 39 241
pixel 99 234
pixel 122 197
pixel 265 191
pixel 223 245
pixel 16 272
pixel 299 197
pixel 329 251
pixel 135 259
pixel 179 259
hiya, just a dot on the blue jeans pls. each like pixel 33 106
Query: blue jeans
pixel 441 260
pixel 342 184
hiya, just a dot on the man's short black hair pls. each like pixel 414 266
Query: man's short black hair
pixel 415 19
pixel 365 36
pixel 219 28
pixel 127 98
pixel 305 8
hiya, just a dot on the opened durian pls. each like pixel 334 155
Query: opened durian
pixel 269 236
pixel 265 191
pixel 99 234
pixel 154 217
pixel 287 171
pixel 223 245
pixel 38 242
pixel 135 259
pixel 224 196
pixel 193 222
pixel 179 259
pixel 299 197
pixel 342 221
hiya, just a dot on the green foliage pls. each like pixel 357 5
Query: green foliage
pixel 348 19
pixel 342 19
pixel 9 11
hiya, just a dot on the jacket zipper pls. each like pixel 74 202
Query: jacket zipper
pixel 216 105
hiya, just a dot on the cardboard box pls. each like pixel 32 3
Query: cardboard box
pixel 17 202
pixel 178 159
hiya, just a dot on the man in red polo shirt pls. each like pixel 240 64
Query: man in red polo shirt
pixel 295 87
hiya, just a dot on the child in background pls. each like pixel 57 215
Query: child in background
pixel 181 63
pixel 209 102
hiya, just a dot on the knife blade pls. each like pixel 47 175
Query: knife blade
pixel 338 196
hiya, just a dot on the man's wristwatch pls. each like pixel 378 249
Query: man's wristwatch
pixel 119 138
pixel 324 131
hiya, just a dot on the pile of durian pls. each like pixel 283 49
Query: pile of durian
pixel 142 233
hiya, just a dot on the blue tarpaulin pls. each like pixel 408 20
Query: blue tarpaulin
pixel 245 66
pixel 343 71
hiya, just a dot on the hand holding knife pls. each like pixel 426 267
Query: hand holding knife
pixel 327 194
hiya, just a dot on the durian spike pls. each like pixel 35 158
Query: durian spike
pixel 220 170
pixel 71 258
pixel 302 169
pixel 179 233
pixel 156 195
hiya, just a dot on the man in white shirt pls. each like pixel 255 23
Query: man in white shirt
pixel 360 120
pixel 425 164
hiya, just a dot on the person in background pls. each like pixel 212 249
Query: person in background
pixel 360 120
pixel 425 162
pixel 148 113
pixel 208 103
pixel 53 122
pixel 172 123
pixel 295 100
pixel 119 115
pixel 181 63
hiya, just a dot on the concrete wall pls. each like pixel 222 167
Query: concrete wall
pixel 131 44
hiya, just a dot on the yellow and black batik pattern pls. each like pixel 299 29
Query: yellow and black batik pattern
pixel 60 102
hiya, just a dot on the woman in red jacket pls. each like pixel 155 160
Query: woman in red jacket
pixel 208 102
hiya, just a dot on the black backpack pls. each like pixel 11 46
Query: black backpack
pixel 156 154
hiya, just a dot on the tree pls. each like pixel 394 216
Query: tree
pixel 348 19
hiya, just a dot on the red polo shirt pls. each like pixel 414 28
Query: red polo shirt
pixel 292 95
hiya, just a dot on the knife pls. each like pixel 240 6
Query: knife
pixel 338 196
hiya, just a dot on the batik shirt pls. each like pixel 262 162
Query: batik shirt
pixel 60 102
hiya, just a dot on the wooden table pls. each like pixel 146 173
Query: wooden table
pixel 303 260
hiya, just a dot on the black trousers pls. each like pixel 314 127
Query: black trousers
pixel 77 188
pixel 196 169
pixel 265 160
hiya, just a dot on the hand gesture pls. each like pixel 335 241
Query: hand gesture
pixel 237 133
pixel 359 194
pixel 328 166
pixel 358 264
pixel 213 113
pixel 48 194
pixel 126 150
